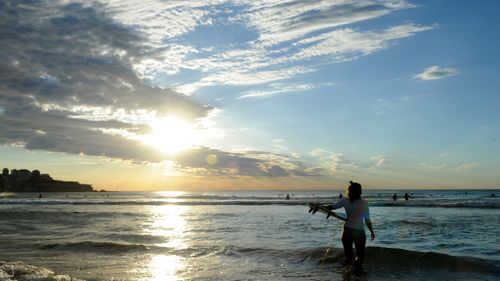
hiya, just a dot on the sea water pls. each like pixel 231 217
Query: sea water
pixel 245 235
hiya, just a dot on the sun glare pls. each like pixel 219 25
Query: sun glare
pixel 167 222
pixel 171 135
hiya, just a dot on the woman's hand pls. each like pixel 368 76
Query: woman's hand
pixel 373 235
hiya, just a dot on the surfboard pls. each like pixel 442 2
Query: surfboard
pixel 315 207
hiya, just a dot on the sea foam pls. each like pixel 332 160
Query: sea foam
pixel 12 271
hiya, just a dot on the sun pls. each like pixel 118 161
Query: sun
pixel 171 135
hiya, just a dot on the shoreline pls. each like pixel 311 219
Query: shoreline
pixel 18 270
pixel 381 263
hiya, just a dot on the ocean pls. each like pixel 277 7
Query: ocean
pixel 244 235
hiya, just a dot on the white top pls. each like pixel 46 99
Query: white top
pixel 356 212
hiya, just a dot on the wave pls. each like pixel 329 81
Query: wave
pixel 416 223
pixel 386 259
pixel 381 263
pixel 379 258
pixel 112 248
pixel 100 247
pixel 479 204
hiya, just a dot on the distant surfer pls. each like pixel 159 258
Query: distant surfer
pixel 407 196
pixel 357 212
pixel 40 195
pixel 340 195
pixel 394 197
pixel 288 197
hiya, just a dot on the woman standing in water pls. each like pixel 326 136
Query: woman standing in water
pixel 357 212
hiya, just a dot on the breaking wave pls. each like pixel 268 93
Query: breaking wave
pixel 479 204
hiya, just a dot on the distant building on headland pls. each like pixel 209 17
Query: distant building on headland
pixel 32 181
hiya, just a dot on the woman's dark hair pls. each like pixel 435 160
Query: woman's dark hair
pixel 354 191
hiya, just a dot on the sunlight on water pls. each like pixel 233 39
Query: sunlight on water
pixel 170 194
pixel 170 224
pixel 164 268
pixel 167 222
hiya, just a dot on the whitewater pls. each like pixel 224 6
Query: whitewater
pixel 244 235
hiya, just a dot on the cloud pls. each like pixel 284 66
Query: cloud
pixel 67 81
pixel 260 64
pixel 68 85
pixel 274 37
pixel 348 44
pixel 205 161
pixel 319 152
pixel 73 54
pixel 66 71
pixel 281 21
pixel 279 144
pixel 339 162
pixel 436 72
pixel 277 89
pixel 433 166
pixel 467 166
pixel 160 20
pixel 84 77
pixel 381 161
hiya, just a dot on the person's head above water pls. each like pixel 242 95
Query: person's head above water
pixel 354 191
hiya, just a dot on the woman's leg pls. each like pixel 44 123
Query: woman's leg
pixel 359 242
pixel 347 240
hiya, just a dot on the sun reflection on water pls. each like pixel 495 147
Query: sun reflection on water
pixel 165 267
pixel 168 222
pixel 170 194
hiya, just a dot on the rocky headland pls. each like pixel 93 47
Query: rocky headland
pixel 33 181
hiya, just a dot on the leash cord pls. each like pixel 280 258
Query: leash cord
pixel 327 250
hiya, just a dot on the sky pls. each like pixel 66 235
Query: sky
pixel 252 94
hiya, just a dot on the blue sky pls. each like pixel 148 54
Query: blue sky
pixel 252 94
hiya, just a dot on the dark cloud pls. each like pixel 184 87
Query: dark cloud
pixel 76 55
pixel 56 59
pixel 214 162
pixel 65 56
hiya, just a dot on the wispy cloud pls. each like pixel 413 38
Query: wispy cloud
pixel 281 21
pixel 347 44
pixel 381 161
pixel 436 72
pixel 319 152
pixel 467 166
pixel 283 34
pixel 340 162
pixel 277 89
pixel 433 166
pixel 279 144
